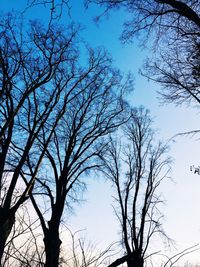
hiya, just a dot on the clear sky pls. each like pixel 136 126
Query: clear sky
pixel 182 216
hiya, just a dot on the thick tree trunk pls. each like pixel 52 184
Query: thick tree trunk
pixel 52 249
pixel 52 240
pixel 135 261
pixel 7 221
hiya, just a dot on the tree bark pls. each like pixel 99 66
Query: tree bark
pixel 52 249
pixel 135 260
pixel 7 221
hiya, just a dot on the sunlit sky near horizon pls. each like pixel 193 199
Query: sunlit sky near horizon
pixel 182 195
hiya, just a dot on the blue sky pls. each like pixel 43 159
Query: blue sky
pixel 182 196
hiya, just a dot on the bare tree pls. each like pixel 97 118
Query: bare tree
pixel 177 70
pixel 175 24
pixel 89 108
pixel 136 166
pixel 30 66
pixel 181 17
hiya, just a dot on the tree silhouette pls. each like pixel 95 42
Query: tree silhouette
pixel 136 166
pixel 89 108
pixel 30 67
pixel 55 112
pixel 174 26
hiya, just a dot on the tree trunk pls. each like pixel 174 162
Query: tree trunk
pixel 135 260
pixel 7 221
pixel 52 249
